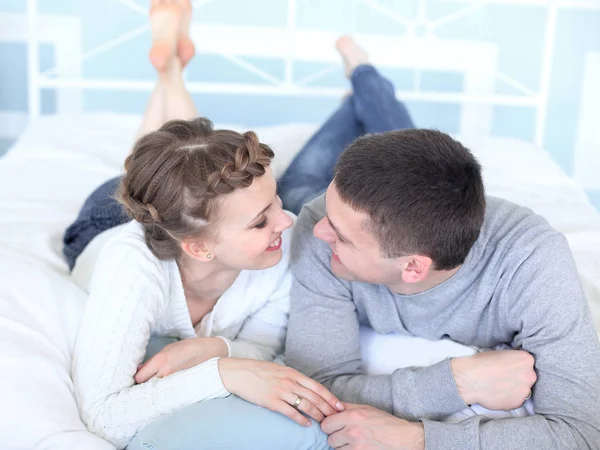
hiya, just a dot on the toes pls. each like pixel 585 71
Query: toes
pixel 343 43
pixel 165 22
pixel 160 55
pixel 185 49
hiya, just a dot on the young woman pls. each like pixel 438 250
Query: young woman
pixel 197 285
pixel 203 267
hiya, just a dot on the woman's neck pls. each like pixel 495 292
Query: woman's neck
pixel 205 282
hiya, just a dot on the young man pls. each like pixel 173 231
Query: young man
pixel 404 240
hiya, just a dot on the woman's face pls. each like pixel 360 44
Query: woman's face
pixel 249 226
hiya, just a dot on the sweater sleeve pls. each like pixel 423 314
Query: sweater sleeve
pixel 263 333
pixel 547 304
pixel 129 291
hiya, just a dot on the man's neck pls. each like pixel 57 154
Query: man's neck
pixel 433 279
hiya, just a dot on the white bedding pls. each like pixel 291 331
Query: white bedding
pixel 44 180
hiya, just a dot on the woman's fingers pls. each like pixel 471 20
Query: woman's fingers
pixel 321 391
pixel 284 408
pixel 305 405
pixel 278 388
pixel 324 407
pixel 146 371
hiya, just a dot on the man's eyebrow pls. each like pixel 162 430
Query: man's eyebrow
pixel 340 235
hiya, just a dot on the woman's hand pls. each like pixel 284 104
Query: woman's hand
pixel 179 356
pixel 277 388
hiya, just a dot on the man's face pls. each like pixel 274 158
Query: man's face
pixel 356 254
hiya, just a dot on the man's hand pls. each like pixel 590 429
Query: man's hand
pixel 497 380
pixel 181 355
pixel 364 427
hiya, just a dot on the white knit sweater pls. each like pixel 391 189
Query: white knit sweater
pixel 133 295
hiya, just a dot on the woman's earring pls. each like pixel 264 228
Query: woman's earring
pixel 208 256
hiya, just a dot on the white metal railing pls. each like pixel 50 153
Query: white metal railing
pixel 421 50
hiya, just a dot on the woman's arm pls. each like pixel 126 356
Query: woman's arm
pixel 129 291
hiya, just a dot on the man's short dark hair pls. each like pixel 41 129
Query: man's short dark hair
pixel 422 190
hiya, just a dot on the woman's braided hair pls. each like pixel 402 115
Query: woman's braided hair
pixel 175 175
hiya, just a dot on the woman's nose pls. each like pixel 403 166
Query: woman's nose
pixel 284 221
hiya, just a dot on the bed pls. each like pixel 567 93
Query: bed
pixel 60 159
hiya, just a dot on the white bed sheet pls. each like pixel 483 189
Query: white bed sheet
pixel 58 161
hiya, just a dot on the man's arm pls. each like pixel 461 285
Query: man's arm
pixel 323 340
pixel 547 303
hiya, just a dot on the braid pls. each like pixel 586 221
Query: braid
pixel 146 214
pixel 153 213
pixel 250 160
pixel 174 174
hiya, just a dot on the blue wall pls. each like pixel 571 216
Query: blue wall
pixel 517 28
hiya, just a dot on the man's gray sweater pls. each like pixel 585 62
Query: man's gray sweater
pixel 518 286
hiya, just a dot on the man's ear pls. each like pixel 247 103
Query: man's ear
pixel 415 268
pixel 198 249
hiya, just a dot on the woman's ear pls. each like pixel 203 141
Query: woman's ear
pixel 197 249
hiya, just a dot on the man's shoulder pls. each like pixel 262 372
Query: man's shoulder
pixel 514 227
pixel 303 239
pixel 502 210
pixel 310 214
pixel 307 250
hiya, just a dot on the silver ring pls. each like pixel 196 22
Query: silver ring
pixel 297 402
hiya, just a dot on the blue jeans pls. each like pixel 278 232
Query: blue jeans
pixel 372 108
pixel 225 423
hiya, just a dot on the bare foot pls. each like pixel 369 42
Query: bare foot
pixel 185 46
pixel 352 54
pixel 165 23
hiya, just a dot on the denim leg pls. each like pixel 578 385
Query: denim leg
pixel 99 213
pixel 375 104
pixel 372 108
pixel 228 423
pixel 311 171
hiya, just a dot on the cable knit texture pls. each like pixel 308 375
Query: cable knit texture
pixel 133 295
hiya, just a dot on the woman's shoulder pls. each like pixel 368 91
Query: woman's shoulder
pixel 121 248
pixel 129 236
pixel 127 269
pixel 129 246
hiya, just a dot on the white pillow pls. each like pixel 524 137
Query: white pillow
pixel 382 354
pixel 39 314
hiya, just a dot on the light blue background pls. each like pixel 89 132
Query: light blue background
pixel 518 30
